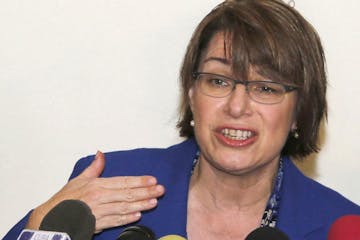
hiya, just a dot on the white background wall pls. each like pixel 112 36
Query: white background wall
pixel 77 76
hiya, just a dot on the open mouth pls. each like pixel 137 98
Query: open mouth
pixel 237 134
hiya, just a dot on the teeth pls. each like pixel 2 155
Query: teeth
pixel 236 134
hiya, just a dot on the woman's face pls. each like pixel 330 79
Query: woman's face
pixel 264 128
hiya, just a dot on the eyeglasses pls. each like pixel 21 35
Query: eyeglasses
pixel 219 86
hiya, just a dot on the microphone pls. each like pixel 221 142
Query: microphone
pixel 136 233
pixel 264 233
pixel 28 234
pixel 69 220
pixel 172 237
pixel 345 228
pixel 143 233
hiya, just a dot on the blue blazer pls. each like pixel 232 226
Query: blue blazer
pixel 307 208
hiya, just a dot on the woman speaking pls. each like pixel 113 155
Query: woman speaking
pixel 253 96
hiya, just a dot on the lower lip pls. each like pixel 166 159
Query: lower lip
pixel 233 142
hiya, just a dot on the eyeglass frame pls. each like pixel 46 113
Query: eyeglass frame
pixel 288 88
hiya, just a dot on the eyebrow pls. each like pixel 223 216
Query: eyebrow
pixel 218 59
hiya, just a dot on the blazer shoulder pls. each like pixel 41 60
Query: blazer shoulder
pixel 313 194
pixel 310 205
pixel 140 158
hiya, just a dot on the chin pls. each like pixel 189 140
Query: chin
pixel 232 164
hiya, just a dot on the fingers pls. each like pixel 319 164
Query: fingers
pixel 119 207
pixel 96 167
pixel 127 182
pixel 121 213
pixel 114 201
pixel 115 220
pixel 103 195
pixel 124 208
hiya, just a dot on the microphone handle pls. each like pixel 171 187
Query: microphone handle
pixel 28 234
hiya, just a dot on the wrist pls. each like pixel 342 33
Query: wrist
pixel 36 218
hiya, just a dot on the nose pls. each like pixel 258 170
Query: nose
pixel 238 102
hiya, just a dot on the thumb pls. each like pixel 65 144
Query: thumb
pixel 96 167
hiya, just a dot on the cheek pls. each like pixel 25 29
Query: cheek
pixel 278 121
pixel 205 108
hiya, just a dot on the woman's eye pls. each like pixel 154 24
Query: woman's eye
pixel 264 88
pixel 218 82
pixel 267 89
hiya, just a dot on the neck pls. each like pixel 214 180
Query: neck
pixel 218 190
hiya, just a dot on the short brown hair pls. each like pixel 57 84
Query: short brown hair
pixel 277 40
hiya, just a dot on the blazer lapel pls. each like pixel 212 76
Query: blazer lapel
pixel 171 213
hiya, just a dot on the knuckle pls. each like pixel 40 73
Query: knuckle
pixel 126 182
pixel 128 194
pixel 152 191
pixel 144 204
pixel 124 207
pixel 121 220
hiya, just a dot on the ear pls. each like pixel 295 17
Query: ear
pixel 191 97
pixel 293 126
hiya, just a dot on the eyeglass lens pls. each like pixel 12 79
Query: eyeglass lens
pixel 260 91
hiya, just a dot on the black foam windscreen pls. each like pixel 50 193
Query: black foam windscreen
pixel 267 233
pixel 73 217
pixel 136 233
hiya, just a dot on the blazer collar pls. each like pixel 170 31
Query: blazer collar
pixel 297 216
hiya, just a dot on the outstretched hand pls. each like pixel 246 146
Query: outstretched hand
pixel 114 201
